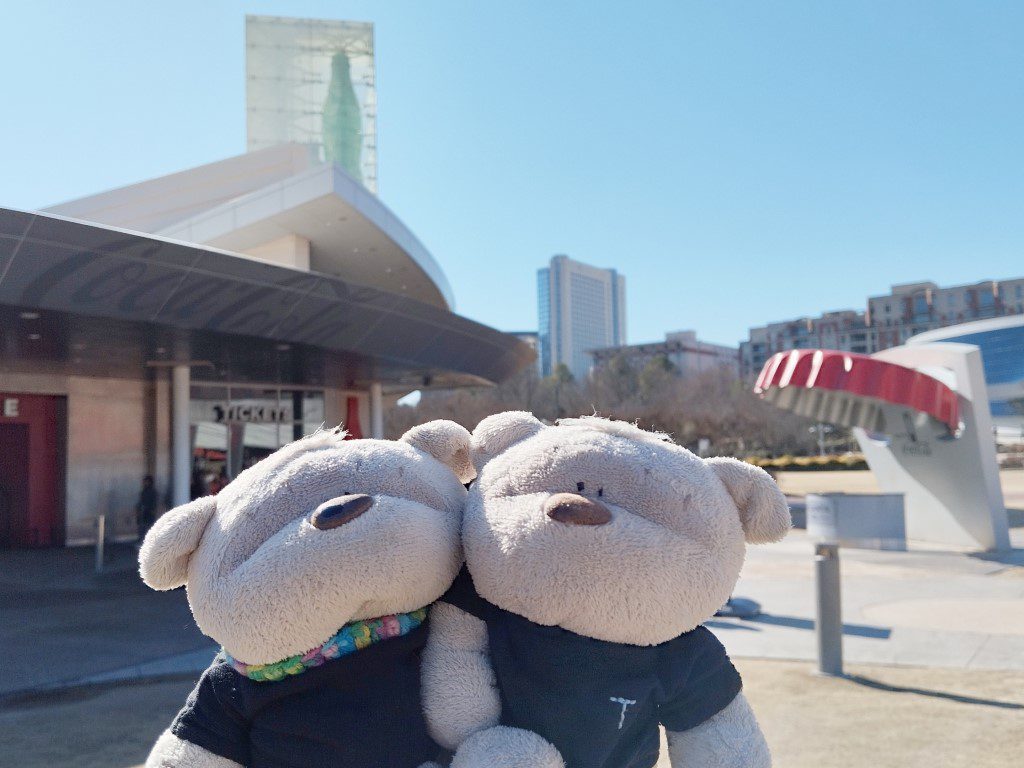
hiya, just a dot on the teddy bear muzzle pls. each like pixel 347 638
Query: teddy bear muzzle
pixel 574 509
pixel 343 509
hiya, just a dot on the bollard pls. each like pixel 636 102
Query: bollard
pixel 101 530
pixel 829 624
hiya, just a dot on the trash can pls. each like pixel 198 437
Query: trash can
pixel 863 520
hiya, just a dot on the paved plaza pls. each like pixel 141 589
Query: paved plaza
pixel 97 664
pixel 923 607
pixel 64 623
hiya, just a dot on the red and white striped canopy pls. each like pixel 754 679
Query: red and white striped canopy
pixel 850 389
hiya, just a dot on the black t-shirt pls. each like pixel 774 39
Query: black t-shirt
pixel 361 710
pixel 598 702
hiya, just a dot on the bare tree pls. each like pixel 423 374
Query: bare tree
pixel 713 405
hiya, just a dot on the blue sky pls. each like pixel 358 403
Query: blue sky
pixel 739 162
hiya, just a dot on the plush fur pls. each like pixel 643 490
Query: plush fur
pixel 172 752
pixel 164 556
pixel 459 694
pixel 496 433
pixel 665 562
pixel 764 513
pixel 266 584
pixel 730 739
pixel 502 747
pixel 675 529
pixel 445 441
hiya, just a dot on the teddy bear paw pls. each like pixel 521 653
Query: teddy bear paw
pixel 504 747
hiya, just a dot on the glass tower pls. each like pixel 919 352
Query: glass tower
pixel 311 81
pixel 580 308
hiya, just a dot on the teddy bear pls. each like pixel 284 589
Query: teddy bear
pixel 594 551
pixel 314 569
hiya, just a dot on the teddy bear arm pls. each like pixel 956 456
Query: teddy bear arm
pixel 460 695
pixel 173 752
pixel 508 748
pixel 730 739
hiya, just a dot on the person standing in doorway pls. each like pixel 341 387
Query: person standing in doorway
pixel 145 509
pixel 197 489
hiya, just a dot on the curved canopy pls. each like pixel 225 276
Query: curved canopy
pixel 84 294
pixel 852 390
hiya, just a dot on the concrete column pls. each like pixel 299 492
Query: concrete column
pixel 181 438
pixel 828 623
pixel 376 411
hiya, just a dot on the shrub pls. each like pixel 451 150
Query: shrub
pixel 789 463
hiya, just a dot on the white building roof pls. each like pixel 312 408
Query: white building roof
pixel 246 202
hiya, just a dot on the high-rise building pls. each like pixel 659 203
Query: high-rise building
pixel 311 81
pixel 845 330
pixel 580 308
pixel 913 308
pixel 908 309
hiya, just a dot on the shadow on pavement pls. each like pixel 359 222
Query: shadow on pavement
pixel 1015 518
pixel 712 624
pixel 1006 557
pixel 854 630
pixel 880 686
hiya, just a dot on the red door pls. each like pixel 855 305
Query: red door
pixel 13 482
pixel 31 470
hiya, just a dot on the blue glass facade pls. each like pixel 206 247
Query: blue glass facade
pixel 1002 352
pixel 544 320
pixel 617 310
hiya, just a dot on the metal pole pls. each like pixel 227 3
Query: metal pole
pixel 829 624
pixel 101 535
pixel 377 411
pixel 181 440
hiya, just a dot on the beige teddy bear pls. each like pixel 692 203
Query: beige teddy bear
pixel 594 551
pixel 313 569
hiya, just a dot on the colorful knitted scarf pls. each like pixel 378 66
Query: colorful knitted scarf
pixel 349 639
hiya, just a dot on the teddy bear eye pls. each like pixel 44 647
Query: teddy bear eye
pixel 600 491
pixel 579 487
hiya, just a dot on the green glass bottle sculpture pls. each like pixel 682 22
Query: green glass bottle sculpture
pixel 343 124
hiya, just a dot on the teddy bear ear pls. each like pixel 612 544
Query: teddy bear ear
pixel 764 513
pixel 447 442
pixel 163 558
pixel 501 431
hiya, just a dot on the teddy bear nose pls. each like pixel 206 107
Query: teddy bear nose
pixel 576 510
pixel 337 512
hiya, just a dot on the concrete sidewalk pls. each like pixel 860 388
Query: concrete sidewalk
pixel 919 608
pixel 63 623
pixel 923 607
